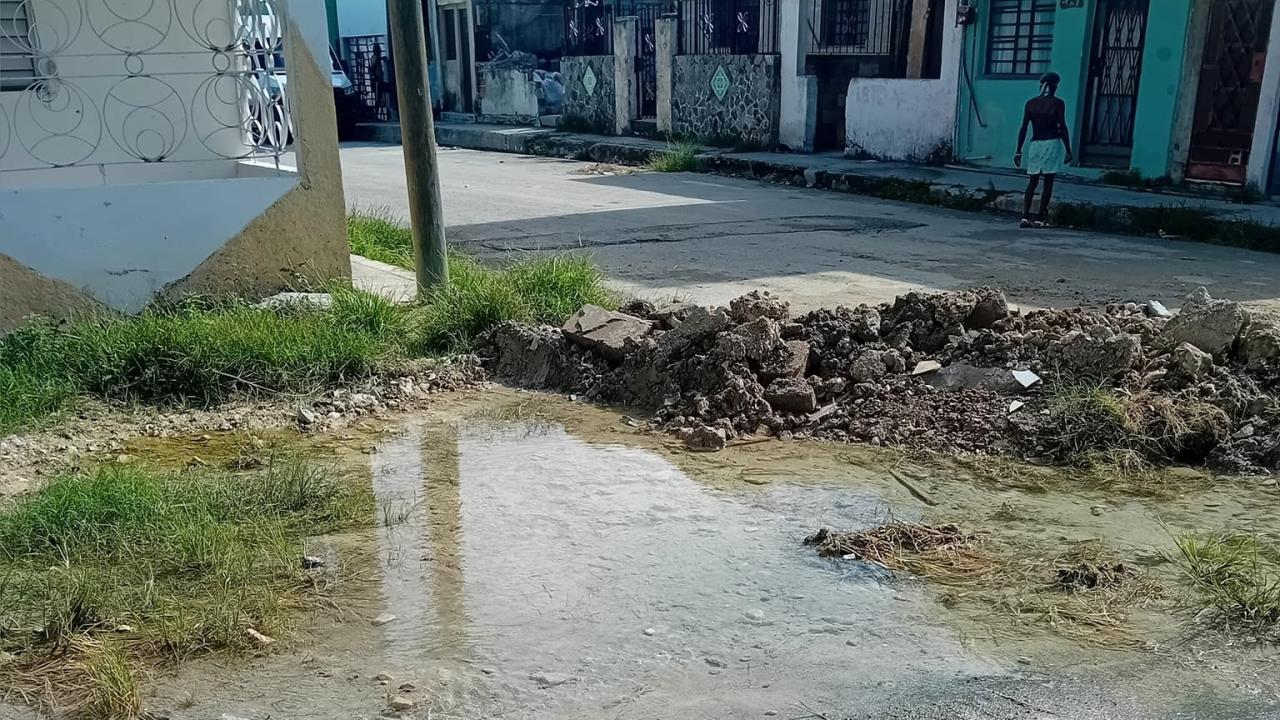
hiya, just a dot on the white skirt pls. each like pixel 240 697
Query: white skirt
pixel 1046 157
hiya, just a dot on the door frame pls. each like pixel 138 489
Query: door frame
pixel 1109 154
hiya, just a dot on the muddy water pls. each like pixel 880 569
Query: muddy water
pixel 542 559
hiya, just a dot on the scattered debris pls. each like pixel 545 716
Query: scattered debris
pixel 258 638
pixel 957 372
pixel 384 619
pixel 549 680
pixel 1088 576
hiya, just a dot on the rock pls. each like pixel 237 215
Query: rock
pixel 549 680
pixel 706 439
pixel 383 619
pixel 532 356
pixel 125 459
pixel 383 677
pixel 930 320
pixel 760 337
pixel 1099 353
pixel 758 304
pixel 1211 325
pixel 893 362
pixel 311 562
pixel 792 360
pixel 698 325
pixel 793 395
pixel 638 307
pixel 715 662
pixel 401 703
pixel 611 334
pixel 990 308
pixel 650 632
pixel 363 401
pixel 868 366
pixel 1155 308
pixel 306 416
pixel 864 324
pixel 962 376
pixel 926 366
pixel 258 638
pixel 1259 346
pixel 1192 362
pixel 302 301
pixel 671 314
pixel 1246 431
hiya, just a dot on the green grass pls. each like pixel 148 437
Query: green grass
pixel 201 353
pixel 1235 577
pixel 188 562
pixel 542 289
pixel 193 355
pixel 681 157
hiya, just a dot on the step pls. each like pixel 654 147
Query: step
pixel 457 117
pixel 645 127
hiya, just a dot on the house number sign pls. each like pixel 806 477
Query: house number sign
pixel 1068 4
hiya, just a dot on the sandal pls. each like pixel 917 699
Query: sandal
pixel 1025 223
pixel 1039 225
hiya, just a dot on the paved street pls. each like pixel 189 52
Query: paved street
pixel 712 238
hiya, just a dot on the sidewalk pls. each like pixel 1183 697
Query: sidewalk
pixel 1076 203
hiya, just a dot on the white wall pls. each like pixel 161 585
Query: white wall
pixel 112 225
pixel 798 111
pixel 905 119
pixel 362 17
pixel 1264 132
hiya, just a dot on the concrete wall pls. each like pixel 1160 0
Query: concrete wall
pixel 990 114
pixel 507 95
pixel 907 119
pixel 797 116
pixel 117 231
pixel 590 104
pixel 748 112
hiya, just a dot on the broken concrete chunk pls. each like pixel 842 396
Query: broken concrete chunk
pixel 1209 324
pixel 302 301
pixel 791 395
pixel 608 333
pixel 990 308
pixel 1260 346
pixel 1097 353
pixel 867 366
pixel 699 324
pixel 760 337
pixel 864 323
pixel 792 360
pixel 926 366
pixel 758 304
pixel 961 376
pixel 1191 361
pixel 706 439
pixel 1016 405
pixel 1155 308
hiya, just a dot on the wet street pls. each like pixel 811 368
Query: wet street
pixel 713 238
pixel 537 558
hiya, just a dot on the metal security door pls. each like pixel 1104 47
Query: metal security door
pixel 1115 65
pixel 646 58
pixel 1235 54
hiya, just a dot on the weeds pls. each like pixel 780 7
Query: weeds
pixel 1235 578
pixel 123 563
pixel 680 157
pixel 377 235
pixel 545 289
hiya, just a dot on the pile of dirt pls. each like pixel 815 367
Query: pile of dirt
pixel 951 372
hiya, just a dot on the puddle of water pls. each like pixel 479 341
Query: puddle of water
pixel 547 561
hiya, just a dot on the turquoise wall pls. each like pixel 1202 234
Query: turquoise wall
pixel 999 100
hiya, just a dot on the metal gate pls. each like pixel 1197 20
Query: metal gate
pixel 647 14
pixel 1115 63
pixel 1235 54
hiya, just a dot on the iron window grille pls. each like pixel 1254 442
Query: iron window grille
pixel 1020 37
pixel 17 62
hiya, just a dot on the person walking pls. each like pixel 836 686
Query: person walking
pixel 1050 149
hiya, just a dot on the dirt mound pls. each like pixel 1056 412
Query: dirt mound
pixel 952 372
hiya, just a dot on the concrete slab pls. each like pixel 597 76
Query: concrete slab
pixel 390 281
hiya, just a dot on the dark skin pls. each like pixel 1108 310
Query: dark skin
pixel 1046 116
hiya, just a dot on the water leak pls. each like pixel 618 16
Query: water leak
pixel 536 558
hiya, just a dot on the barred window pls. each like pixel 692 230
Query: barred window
pixel 17 66
pixel 1020 37
pixel 846 23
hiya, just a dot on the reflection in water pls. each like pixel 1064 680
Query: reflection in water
pixel 538 570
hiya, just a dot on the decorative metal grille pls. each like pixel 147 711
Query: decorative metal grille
pixel 646 14
pixel 873 29
pixel 115 82
pixel 1020 37
pixel 728 27
pixel 365 55
pixel 1114 69
pixel 588 27
pixel 16 64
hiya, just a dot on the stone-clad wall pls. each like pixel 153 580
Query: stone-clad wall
pixel 588 110
pixel 747 114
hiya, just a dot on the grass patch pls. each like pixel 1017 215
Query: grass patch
pixel 196 354
pixel 680 157
pixel 122 564
pixel 542 289
pixel 1235 579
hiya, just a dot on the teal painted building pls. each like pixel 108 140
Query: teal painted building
pixel 1121 63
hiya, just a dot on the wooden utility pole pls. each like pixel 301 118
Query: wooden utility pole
pixel 418 138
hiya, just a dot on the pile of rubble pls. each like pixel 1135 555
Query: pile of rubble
pixel 954 372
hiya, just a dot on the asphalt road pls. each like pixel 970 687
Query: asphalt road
pixel 711 238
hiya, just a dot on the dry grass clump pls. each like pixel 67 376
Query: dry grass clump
pixel 944 553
